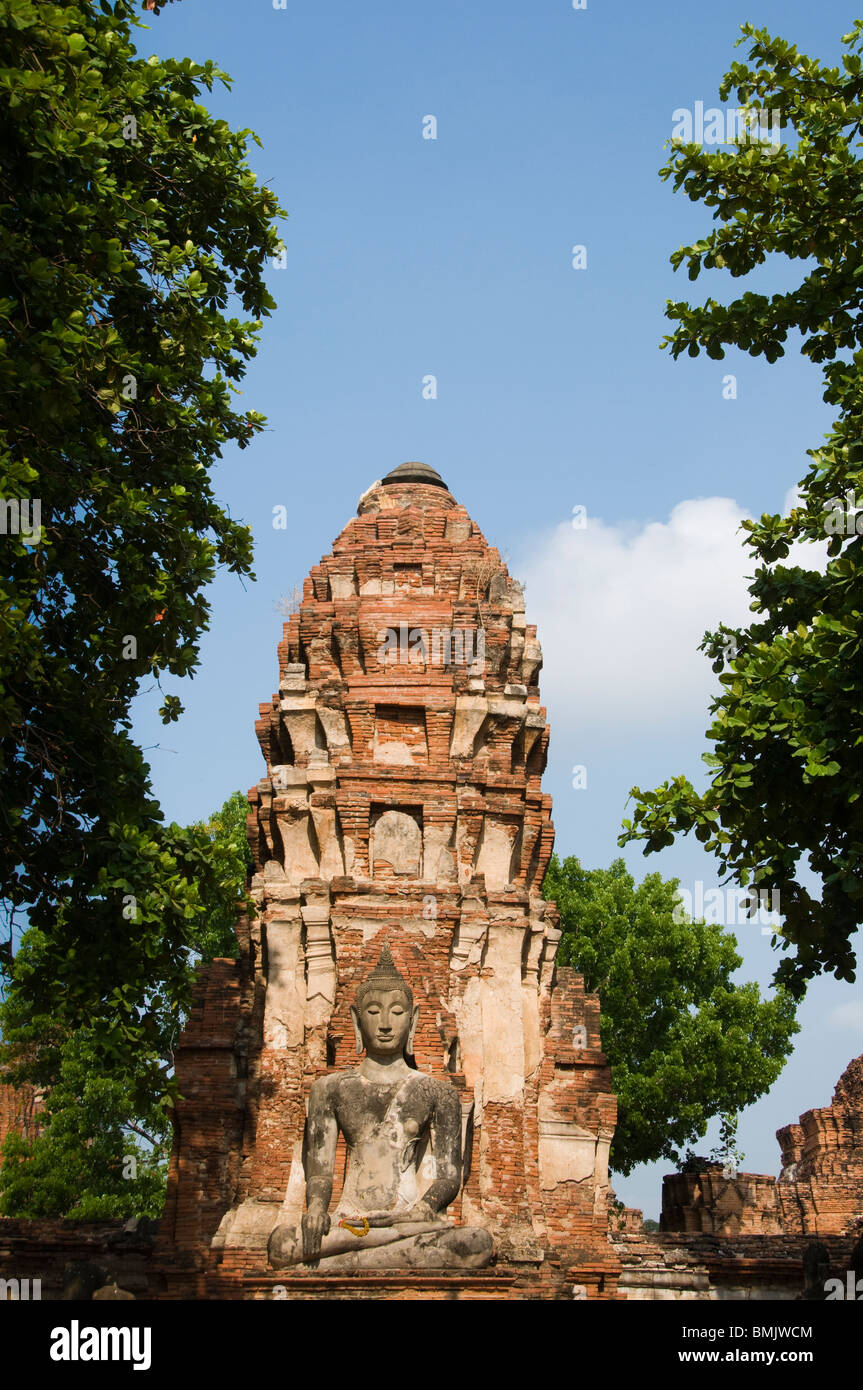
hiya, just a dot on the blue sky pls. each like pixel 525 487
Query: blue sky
pixel 453 257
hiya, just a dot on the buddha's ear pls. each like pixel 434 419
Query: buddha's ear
pixel 355 1020
pixel 409 1046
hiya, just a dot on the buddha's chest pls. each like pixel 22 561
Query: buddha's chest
pixel 384 1117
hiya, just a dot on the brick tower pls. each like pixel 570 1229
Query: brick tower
pixel 402 801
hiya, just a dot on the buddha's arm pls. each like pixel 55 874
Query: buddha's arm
pixel 446 1148
pixel 319 1155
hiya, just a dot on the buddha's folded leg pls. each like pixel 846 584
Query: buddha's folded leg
pixel 435 1247
pixel 454 1247
pixel 285 1245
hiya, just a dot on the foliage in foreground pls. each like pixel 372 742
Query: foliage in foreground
pixel 103 1140
pixel 787 730
pixel 133 246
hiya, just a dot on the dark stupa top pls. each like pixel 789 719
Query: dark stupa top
pixel 414 473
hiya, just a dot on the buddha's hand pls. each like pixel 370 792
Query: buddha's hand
pixel 315 1225
pixel 421 1211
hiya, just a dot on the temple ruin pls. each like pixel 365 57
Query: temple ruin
pixel 400 837
pixel 401 802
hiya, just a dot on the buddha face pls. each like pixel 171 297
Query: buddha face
pixel 385 1021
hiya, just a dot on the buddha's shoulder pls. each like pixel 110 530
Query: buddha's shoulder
pixel 438 1089
pixel 329 1087
pixel 340 1083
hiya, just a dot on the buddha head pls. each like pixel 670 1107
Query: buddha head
pixel 384 1014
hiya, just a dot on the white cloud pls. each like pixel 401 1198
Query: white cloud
pixel 847 1017
pixel 807 554
pixel 620 611
pixel 792 499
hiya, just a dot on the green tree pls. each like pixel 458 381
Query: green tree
pixel 787 728
pixel 231 859
pixel 87 1162
pixel 103 1141
pixel 683 1040
pixel 133 246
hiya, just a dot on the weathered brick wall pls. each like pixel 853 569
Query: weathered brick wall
pixel 72 1258
pixel 819 1190
pixel 209 1116
pixel 623 1220
pixel 710 1203
pixel 694 1267
pixel 19 1111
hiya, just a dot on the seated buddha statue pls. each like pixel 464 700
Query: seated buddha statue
pixel 389 1114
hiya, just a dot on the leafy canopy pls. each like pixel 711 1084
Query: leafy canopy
pixel 133 245
pixel 231 860
pixel 86 1160
pixel 683 1040
pixel 787 730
